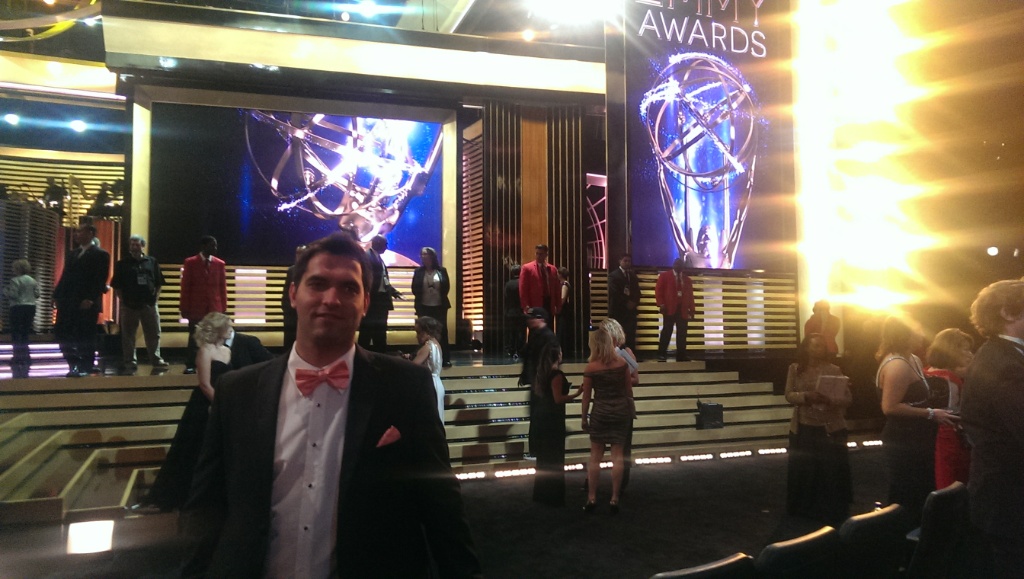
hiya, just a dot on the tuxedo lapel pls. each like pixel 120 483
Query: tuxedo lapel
pixel 267 399
pixel 361 401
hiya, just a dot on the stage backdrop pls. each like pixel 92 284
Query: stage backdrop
pixel 709 133
pixel 264 182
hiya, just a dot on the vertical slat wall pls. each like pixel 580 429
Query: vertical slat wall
pixel 566 190
pixel 471 252
pixel 502 211
pixel 29 231
pixel 736 310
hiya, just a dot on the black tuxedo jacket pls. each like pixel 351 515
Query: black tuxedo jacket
pixel 417 288
pixel 84 278
pixel 992 410
pixel 247 350
pixel 399 506
pixel 380 299
pixel 617 298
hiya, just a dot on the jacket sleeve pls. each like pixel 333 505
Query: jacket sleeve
pixel 185 299
pixel 659 290
pixel 223 289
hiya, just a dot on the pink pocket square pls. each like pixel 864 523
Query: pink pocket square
pixel 391 436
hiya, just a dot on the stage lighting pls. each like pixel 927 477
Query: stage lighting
pixel 12 119
pixel 78 126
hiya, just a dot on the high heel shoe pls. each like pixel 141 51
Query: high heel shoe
pixel 589 507
pixel 613 507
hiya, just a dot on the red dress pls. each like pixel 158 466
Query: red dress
pixel 952 455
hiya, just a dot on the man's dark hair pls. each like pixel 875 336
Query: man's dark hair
pixel 343 244
pixel 90 227
pixel 206 240
pixel 515 270
pixel 541 246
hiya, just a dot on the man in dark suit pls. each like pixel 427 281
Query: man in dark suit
pixel 624 297
pixel 78 297
pixel 312 470
pixel 991 410
pixel 204 289
pixel 373 333
pixel 246 350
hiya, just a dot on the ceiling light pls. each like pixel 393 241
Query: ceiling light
pixel 12 119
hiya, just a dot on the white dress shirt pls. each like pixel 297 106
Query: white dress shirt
pixel 307 469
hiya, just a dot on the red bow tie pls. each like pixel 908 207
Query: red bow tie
pixel 308 380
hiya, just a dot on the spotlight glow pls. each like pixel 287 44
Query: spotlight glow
pixel 516 472
pixel 470 475
pixel 852 187
pixel 12 119
pixel 993 251
pixel 78 126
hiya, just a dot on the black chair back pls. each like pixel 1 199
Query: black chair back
pixel 944 524
pixel 873 544
pixel 738 566
pixel 811 556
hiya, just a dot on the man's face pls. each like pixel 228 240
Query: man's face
pixel 210 248
pixel 535 323
pixel 83 236
pixel 626 262
pixel 542 256
pixel 135 247
pixel 330 301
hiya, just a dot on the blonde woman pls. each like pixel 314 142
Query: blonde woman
pixel 608 385
pixel 213 358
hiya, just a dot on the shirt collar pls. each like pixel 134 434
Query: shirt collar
pixel 1018 341
pixel 296 362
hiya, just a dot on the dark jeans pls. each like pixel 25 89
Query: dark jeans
pixel 682 325
pixel 21 328
pixel 439 313
pixel 76 332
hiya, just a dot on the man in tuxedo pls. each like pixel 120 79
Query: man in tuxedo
pixel 373 333
pixel 329 460
pixel 204 289
pixel 991 411
pixel 624 297
pixel 539 286
pixel 673 294
pixel 79 301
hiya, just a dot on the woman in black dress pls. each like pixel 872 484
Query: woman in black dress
pixel 213 359
pixel 547 433
pixel 430 287
pixel 913 410
pixel 606 383
pixel 818 485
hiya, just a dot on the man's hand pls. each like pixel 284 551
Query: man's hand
pixel 663 310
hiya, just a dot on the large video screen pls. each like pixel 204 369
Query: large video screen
pixel 709 129
pixel 264 182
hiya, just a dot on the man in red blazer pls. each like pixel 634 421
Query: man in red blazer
pixel 674 295
pixel 539 286
pixel 204 289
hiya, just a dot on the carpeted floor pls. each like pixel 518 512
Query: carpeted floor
pixel 673 515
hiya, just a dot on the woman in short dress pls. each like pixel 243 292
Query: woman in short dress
pixel 819 485
pixel 912 413
pixel 607 384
